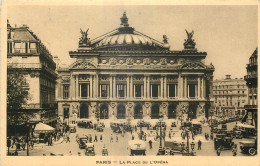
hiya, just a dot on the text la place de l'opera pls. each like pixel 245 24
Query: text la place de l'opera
pixel 128 75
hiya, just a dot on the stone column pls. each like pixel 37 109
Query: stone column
pixel 199 88
pixel 110 87
pixel 114 87
pixel 165 86
pixel 145 91
pixel 179 86
pixel 97 86
pixel 148 87
pixel 128 86
pixel 161 86
pixel 202 88
pixel 91 86
pixel 77 86
pixel 185 87
pixel 131 87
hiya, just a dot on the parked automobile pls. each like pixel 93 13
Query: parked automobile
pixel 249 147
pixel 173 145
pixel 82 142
pixel 72 128
pixel 246 130
pixel 90 151
pixel 173 124
pixel 137 147
pixel 223 141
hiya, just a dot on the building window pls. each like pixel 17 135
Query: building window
pixel 65 91
pixel 84 90
pixel 155 88
pixel 121 90
pixel 65 113
pixel 192 90
pixel 238 91
pixel 104 90
pixel 9 47
pixel 138 90
pixel 172 90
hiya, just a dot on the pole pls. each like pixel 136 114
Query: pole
pixel 28 134
pixel 188 147
pixel 160 133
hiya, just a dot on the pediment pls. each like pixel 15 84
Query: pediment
pixel 83 65
pixel 193 65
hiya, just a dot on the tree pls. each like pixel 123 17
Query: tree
pixel 17 95
pixel 17 90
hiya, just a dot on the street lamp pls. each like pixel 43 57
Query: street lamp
pixel 187 135
pixel 192 146
pixel 161 119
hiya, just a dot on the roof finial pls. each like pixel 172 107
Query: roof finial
pixel 124 20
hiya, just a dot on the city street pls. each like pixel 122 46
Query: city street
pixel 120 148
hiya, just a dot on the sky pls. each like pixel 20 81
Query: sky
pixel 227 33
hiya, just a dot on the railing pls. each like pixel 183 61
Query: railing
pixel 24 65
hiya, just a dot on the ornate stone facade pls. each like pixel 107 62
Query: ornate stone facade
pixel 132 76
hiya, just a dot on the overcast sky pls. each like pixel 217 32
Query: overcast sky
pixel 227 33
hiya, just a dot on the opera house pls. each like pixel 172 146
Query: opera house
pixel 125 74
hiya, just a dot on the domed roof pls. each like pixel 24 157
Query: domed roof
pixel 127 37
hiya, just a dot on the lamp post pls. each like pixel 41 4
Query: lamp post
pixel 192 147
pixel 187 135
pixel 182 146
pixel 161 119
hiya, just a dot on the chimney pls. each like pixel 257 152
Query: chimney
pixel 228 76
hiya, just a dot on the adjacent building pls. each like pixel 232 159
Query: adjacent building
pixel 126 74
pixel 251 82
pixel 230 96
pixel 27 54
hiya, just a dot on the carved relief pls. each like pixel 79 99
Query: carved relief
pixel 172 62
pixel 163 61
pixel 83 65
pixel 129 61
pixel 193 66
pixel 138 61
pixel 65 79
pixel 103 78
pixel 155 61
pixel 146 61
pixel 34 74
pixel 112 61
pixel 104 61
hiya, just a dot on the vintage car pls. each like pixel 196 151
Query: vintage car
pixel 158 124
pixel 237 134
pixel 173 145
pixel 196 126
pixel 90 151
pixel 141 123
pixel 72 128
pixel 137 147
pixel 82 142
pixel 249 147
pixel 99 128
pixel 223 141
pixel 246 130
pixel 85 124
pixel 173 124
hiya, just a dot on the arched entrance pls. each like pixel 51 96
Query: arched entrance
pixel 104 111
pixel 155 112
pixel 84 111
pixel 172 111
pixel 121 112
pixel 138 114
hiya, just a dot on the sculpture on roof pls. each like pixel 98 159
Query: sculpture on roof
pixel 165 39
pixel 84 37
pixel 189 42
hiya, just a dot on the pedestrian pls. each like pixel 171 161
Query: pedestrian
pixel 90 138
pixel 32 144
pixel 151 144
pixel 133 137
pixel 199 145
pixel 219 151
pixel 116 138
pixel 111 138
pixel 145 137
pixel 68 138
pixel 95 140
pixel 101 137
pixel 192 135
pixel 234 150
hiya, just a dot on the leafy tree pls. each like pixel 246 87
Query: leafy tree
pixel 17 95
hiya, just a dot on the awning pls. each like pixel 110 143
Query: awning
pixel 43 128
